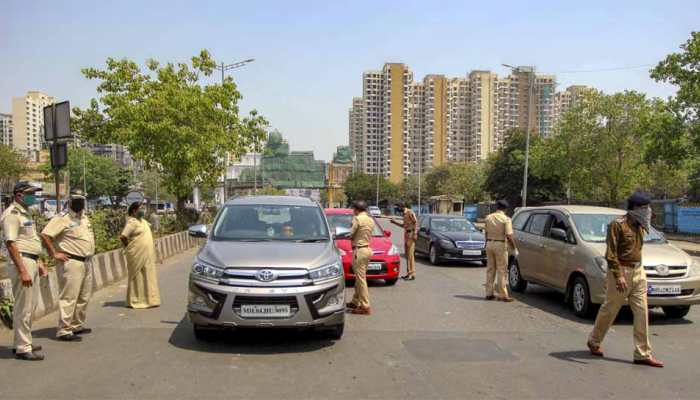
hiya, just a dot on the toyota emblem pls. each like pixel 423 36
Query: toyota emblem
pixel 266 275
pixel 662 270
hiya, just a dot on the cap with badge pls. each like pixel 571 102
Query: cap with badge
pixel 77 194
pixel 25 187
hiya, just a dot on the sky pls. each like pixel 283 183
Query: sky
pixel 310 55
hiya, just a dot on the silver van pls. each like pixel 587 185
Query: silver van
pixel 269 261
pixel 563 247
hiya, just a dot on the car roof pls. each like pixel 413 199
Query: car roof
pixel 336 211
pixel 443 215
pixel 273 201
pixel 576 209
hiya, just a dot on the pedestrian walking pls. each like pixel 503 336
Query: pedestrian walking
pixel 410 235
pixel 360 235
pixel 24 268
pixel 71 242
pixel 142 288
pixel 626 279
pixel 499 234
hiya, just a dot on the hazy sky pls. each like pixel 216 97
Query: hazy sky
pixel 310 55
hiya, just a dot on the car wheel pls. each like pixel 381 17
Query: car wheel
pixel 349 282
pixel 515 279
pixel 336 332
pixel 204 335
pixel 391 282
pixel 581 298
pixel 676 312
pixel 434 259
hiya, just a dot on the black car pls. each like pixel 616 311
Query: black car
pixel 450 238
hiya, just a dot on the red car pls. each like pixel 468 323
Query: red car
pixel 385 262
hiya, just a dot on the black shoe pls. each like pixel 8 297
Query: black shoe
pixel 82 331
pixel 406 277
pixel 29 356
pixel 70 338
pixel 34 348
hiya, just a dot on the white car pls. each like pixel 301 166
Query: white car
pixel 375 211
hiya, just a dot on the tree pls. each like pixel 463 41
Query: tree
pixel 167 118
pixel 13 166
pixel 151 182
pixel 360 186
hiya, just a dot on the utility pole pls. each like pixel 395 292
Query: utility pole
pixel 378 172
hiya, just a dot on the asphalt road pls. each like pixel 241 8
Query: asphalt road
pixel 431 338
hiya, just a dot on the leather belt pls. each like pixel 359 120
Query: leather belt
pixel 76 258
pixel 360 247
pixel 628 264
pixel 30 256
pixel 494 240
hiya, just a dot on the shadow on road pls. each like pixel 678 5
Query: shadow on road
pixel 583 357
pixel 116 303
pixel 470 297
pixel 249 341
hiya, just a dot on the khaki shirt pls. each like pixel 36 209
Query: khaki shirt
pixel 361 231
pixel 497 226
pixel 72 234
pixel 18 226
pixel 409 221
pixel 624 244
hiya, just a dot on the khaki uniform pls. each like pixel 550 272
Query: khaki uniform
pixel 497 226
pixel 409 230
pixel 72 234
pixel 20 228
pixel 361 234
pixel 624 256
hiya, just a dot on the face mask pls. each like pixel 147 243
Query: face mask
pixel 141 214
pixel 29 200
pixel 77 205
pixel 642 216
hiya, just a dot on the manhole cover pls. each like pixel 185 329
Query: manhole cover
pixel 457 350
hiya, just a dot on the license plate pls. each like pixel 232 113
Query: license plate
pixel 374 267
pixel 471 252
pixel 671 289
pixel 266 310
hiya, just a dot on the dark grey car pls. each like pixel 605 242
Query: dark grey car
pixel 269 261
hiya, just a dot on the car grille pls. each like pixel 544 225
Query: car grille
pixel 684 292
pixel 470 245
pixel 247 277
pixel 674 271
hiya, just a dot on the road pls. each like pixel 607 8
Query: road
pixel 431 338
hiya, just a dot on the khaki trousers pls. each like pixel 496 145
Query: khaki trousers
pixel 496 269
pixel 360 261
pixel 76 282
pixel 26 300
pixel 636 296
pixel 410 250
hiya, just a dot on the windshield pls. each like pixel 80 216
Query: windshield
pixel 270 222
pixel 452 225
pixel 345 221
pixel 594 228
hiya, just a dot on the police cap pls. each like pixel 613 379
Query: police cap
pixel 25 187
pixel 638 199
pixel 502 204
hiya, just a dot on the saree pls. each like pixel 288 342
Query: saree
pixel 142 289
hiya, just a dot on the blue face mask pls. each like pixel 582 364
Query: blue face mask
pixel 29 200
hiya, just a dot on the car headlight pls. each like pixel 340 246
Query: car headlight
pixel 393 251
pixel 695 267
pixel 206 271
pixel 601 263
pixel 446 243
pixel 326 272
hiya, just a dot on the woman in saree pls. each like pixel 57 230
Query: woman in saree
pixel 142 290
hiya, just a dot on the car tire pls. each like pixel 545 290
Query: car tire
pixel 581 298
pixel 204 335
pixel 433 256
pixel 676 312
pixel 484 263
pixel 335 332
pixel 391 282
pixel 515 278
pixel 349 283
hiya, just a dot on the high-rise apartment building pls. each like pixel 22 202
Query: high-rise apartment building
pixel 356 123
pixel 458 98
pixel 480 115
pixel 565 100
pixel 6 129
pixel 28 122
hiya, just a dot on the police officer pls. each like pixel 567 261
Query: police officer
pixel 360 235
pixel 71 242
pixel 410 235
pixel 499 233
pixel 626 279
pixel 24 247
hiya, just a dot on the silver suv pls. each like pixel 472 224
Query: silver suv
pixel 269 261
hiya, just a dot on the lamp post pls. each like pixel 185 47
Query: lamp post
pixel 223 68
pixel 531 86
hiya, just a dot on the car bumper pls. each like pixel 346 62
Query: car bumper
pixel 690 292
pixel 457 254
pixel 218 306
pixel 391 268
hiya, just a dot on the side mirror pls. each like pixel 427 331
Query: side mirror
pixel 199 231
pixel 341 232
pixel 387 234
pixel 423 229
pixel 558 234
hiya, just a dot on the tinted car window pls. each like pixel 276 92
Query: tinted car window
pixel 559 222
pixel 270 222
pixel 452 225
pixel 538 224
pixel 424 221
pixel 594 228
pixel 520 220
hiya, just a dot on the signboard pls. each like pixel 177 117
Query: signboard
pixel 59 155
pixel 134 197
pixel 57 122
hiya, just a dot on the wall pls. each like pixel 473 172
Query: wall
pixel 688 220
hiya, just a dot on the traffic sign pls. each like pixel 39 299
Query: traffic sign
pixel 134 197
pixel 59 155
pixel 57 122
